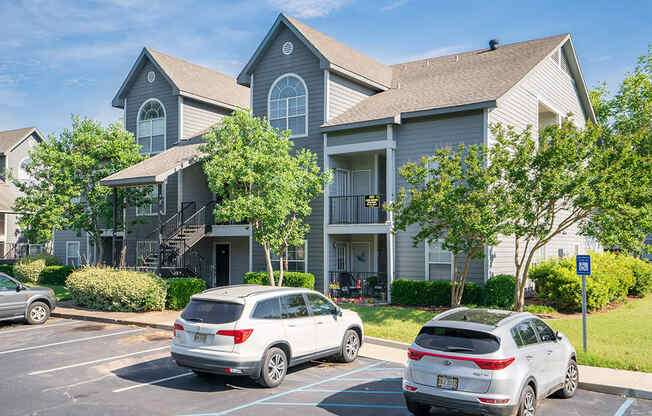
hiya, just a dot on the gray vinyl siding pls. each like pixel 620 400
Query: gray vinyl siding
pixel 239 264
pixel 198 116
pixel 344 94
pixel 195 186
pixel 418 138
pixel 61 237
pixel 303 63
pixel 357 136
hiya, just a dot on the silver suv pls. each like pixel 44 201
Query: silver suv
pixel 17 300
pixel 487 362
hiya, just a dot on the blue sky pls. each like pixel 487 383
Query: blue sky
pixel 63 57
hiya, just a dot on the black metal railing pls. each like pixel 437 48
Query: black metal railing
pixel 351 209
pixel 352 285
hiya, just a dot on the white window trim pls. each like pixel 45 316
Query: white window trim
pixel 269 95
pixel 347 255
pixel 68 256
pixel 155 212
pixel 305 257
pixel 428 262
pixel 165 127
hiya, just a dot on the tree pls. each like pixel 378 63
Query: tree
pixel 552 183
pixel 66 170
pixel 257 180
pixel 455 198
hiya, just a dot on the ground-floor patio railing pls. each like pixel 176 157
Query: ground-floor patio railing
pixel 355 285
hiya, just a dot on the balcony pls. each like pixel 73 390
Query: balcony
pixel 352 209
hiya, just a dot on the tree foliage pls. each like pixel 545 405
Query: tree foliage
pixel 256 178
pixel 64 190
pixel 455 198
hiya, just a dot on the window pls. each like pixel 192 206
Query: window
pixel 267 309
pixel 287 109
pixel 293 306
pixel 212 312
pixel 23 175
pixel 540 255
pixel 7 284
pixel 145 249
pixel 516 337
pixel 150 209
pixel 545 332
pixel 296 259
pixel 457 340
pixel 72 253
pixel 151 127
pixel 440 262
pixel 526 333
pixel 320 305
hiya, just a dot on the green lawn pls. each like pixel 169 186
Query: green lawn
pixel 621 338
pixel 60 292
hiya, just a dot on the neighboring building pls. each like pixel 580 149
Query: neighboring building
pixel 364 120
pixel 15 146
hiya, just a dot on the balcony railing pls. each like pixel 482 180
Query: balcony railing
pixel 349 285
pixel 351 209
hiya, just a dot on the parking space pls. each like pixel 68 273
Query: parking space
pixel 68 367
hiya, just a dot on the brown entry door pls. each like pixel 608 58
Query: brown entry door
pixel 222 266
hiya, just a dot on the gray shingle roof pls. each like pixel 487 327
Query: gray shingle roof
pixel 450 81
pixel 10 138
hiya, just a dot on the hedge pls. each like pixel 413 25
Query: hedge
pixel 180 289
pixel 49 259
pixel 109 289
pixel 290 279
pixel 7 269
pixel 499 291
pixel 432 293
pixel 28 269
pixel 55 275
pixel 643 274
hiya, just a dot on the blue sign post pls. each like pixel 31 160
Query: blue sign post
pixel 583 267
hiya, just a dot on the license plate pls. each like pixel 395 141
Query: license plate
pixel 200 338
pixel 448 383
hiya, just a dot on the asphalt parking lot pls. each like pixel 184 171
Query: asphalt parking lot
pixel 68 367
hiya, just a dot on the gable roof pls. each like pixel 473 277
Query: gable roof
pixel 189 80
pixel 11 138
pixel 467 80
pixel 333 55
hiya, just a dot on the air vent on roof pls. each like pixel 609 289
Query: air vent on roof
pixel 493 44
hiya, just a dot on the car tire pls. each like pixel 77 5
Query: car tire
pixel 274 367
pixel 571 381
pixel 350 347
pixel 37 313
pixel 527 405
pixel 417 409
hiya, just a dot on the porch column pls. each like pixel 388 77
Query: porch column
pixel 115 225
pixel 159 204
pixel 326 219
pixel 390 183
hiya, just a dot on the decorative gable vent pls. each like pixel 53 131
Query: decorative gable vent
pixel 287 48
pixel 151 76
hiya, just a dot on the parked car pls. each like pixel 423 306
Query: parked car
pixel 17 300
pixel 488 362
pixel 260 331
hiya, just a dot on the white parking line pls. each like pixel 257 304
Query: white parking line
pixel 11 331
pixel 623 408
pixel 152 382
pixel 115 357
pixel 67 386
pixel 70 341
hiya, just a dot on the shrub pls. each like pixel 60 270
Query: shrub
pixel 432 293
pixel 7 269
pixel 109 289
pixel 55 275
pixel 643 274
pixel 28 270
pixel 50 260
pixel 499 290
pixel 290 279
pixel 180 289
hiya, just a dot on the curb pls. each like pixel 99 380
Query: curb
pixel 111 320
pixel 598 388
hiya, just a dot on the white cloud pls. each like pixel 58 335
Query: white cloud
pixel 393 5
pixel 307 8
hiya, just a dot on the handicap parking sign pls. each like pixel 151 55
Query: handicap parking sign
pixel 583 265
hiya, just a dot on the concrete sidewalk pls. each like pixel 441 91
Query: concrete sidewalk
pixel 603 380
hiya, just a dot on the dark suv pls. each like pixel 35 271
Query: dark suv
pixel 33 303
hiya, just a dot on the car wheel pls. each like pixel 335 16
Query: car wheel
pixel 37 313
pixel 274 368
pixel 350 347
pixel 527 406
pixel 571 381
pixel 417 409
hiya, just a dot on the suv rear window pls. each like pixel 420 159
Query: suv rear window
pixel 212 312
pixel 457 340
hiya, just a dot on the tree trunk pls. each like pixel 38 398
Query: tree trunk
pixel 524 272
pixel 453 286
pixel 280 272
pixel 268 263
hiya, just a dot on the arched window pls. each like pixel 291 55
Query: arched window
pixel 151 127
pixel 23 175
pixel 288 106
